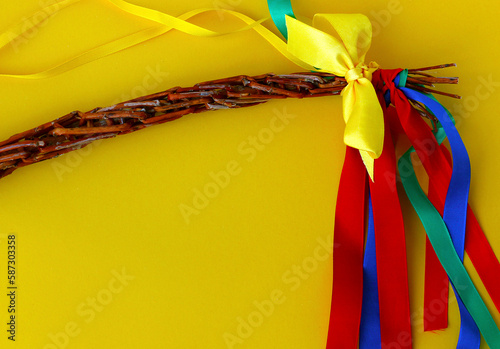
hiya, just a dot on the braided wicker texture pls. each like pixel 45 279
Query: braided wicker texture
pixel 77 130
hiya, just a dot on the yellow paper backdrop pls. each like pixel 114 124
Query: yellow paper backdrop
pixel 106 259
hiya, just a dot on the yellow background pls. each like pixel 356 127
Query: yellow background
pixel 115 207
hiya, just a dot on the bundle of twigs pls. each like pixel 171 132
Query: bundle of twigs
pixel 77 130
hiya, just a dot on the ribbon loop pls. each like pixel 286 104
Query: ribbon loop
pixel 354 30
pixel 342 53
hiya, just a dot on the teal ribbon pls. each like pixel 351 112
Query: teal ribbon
pixel 279 9
pixel 443 245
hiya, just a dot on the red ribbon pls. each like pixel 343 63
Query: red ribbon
pixel 392 271
pixel 347 292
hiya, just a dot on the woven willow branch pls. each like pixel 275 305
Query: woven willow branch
pixel 77 130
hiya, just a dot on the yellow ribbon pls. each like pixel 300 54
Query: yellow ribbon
pixel 164 23
pixel 343 53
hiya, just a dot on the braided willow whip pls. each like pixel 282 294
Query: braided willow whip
pixel 77 130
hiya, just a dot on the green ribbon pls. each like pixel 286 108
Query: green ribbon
pixel 443 245
pixel 279 9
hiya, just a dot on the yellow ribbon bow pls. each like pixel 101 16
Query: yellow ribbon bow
pixel 343 54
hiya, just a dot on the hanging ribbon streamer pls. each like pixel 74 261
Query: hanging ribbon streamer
pixel 369 333
pixel 477 247
pixel 479 250
pixel 437 163
pixel 457 192
pixel 436 284
pixel 347 291
pixel 454 215
pixel 469 334
pixel 391 251
pixel 439 237
pixel 438 232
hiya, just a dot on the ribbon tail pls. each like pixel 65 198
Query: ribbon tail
pixel 391 251
pixel 369 332
pixel 347 291
pixel 479 250
pixel 436 284
pixel 364 121
pixel 369 163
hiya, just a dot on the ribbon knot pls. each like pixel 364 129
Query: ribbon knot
pixel 361 71
pixel 354 74
pixel 343 54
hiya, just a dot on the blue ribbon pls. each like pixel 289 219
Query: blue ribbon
pixel 369 330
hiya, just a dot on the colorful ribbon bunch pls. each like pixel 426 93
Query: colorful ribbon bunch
pixel 370 301
pixel 370 298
